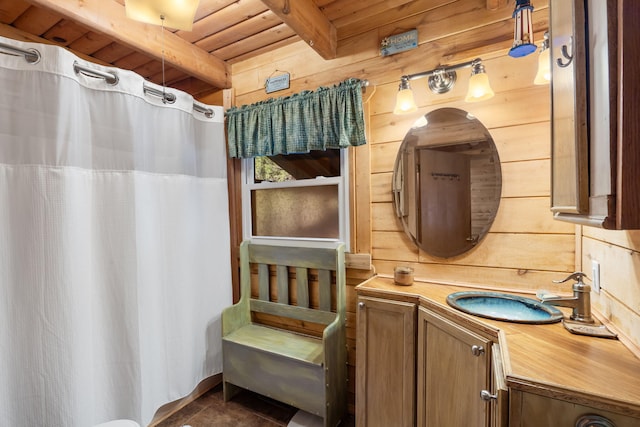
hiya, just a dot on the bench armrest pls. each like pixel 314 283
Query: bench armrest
pixel 236 316
pixel 334 338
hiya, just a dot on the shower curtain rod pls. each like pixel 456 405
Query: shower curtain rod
pixel 111 78
pixel 208 112
pixel 32 56
pixel 169 98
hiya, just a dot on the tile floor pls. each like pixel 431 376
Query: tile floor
pixel 247 409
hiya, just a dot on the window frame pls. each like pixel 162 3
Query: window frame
pixel 342 181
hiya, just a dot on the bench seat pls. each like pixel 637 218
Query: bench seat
pixel 295 290
pixel 277 341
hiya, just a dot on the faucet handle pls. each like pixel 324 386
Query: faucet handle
pixel 577 276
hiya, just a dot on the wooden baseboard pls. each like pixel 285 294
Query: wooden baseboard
pixel 171 408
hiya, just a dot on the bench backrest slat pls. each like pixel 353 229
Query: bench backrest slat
pixel 302 283
pixel 283 284
pixel 293 312
pixel 263 282
pixel 294 256
pixel 324 284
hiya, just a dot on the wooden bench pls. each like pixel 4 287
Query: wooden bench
pixel 268 340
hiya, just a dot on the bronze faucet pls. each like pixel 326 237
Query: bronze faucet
pixel 580 301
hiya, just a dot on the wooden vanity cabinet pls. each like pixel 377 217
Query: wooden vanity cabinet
pixel 533 410
pixel 385 363
pixel 595 108
pixel 421 362
pixel 499 403
pixel 454 368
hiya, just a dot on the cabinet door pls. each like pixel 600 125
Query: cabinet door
pixel 385 363
pixel 532 410
pixel 499 406
pixel 453 368
pixel 594 105
pixel 569 138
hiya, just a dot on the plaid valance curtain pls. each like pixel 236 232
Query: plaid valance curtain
pixel 329 117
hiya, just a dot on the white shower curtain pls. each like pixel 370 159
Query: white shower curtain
pixel 114 244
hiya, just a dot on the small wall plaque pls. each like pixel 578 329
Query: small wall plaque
pixel 399 43
pixel 274 84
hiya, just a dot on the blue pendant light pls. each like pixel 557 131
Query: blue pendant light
pixel 523 43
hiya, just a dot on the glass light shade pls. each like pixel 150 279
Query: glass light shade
pixel 479 88
pixel 405 102
pixel 543 76
pixel 178 14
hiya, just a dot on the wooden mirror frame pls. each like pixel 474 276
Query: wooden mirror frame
pixel 447 182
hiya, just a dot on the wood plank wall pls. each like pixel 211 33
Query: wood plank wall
pixel 618 253
pixel 525 249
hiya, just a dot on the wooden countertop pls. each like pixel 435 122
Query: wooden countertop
pixel 544 359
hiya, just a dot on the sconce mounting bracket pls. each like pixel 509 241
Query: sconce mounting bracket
pixel 442 81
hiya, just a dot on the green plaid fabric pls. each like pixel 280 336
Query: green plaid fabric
pixel 330 117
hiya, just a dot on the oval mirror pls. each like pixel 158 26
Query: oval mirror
pixel 447 182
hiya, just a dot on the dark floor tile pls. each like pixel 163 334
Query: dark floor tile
pixel 265 407
pixel 181 417
pixel 230 418
pixel 246 409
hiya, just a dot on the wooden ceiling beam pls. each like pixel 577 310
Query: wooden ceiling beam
pixel 304 17
pixel 108 17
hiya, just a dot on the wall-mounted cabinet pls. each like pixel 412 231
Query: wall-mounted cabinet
pixel 595 106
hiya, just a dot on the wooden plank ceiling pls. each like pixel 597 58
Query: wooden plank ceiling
pixel 224 32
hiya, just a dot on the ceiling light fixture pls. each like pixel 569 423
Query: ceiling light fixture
pixel 178 14
pixel 441 80
pixel 543 76
pixel 523 31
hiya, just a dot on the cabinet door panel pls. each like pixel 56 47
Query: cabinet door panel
pixel 595 97
pixel 451 374
pixel 532 410
pixel 569 138
pixel 500 405
pixel 385 365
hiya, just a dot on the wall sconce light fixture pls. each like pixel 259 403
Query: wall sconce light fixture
pixel 404 100
pixel 523 32
pixel 178 14
pixel 543 76
pixel 479 88
pixel 441 80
